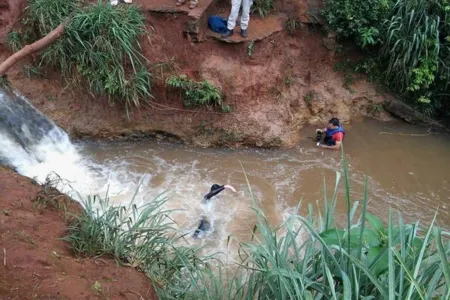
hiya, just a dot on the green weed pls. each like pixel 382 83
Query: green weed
pixel 4 82
pixel 287 80
pixel 375 109
pixel 292 24
pixel 226 108
pixel 250 48
pixel 32 71
pixel 309 97
pixel 14 41
pixel 262 7
pixel 195 93
pixel 100 45
pixel 349 79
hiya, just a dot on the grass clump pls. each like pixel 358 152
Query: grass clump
pixel 309 97
pixel 32 71
pixel 14 41
pixel 263 8
pixel 99 47
pixel 195 93
pixel 292 24
pixel 4 82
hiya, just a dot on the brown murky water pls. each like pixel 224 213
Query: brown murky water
pixel 406 168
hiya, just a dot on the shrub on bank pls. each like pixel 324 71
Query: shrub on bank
pixel 411 40
pixel 307 257
pixel 99 47
pixel 195 94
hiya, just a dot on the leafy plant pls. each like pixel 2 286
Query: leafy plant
pixel 4 82
pixel 196 93
pixel 368 36
pixel 226 108
pixel 357 19
pixel 287 80
pixel 309 97
pixel 292 24
pixel 32 71
pixel 348 81
pixel 262 7
pixel 250 48
pixel 99 46
pixel 14 41
pixel 375 109
pixel 412 45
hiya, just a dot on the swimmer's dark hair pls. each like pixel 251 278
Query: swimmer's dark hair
pixel 334 122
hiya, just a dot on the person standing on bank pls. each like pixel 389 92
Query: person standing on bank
pixel 245 17
pixel 334 135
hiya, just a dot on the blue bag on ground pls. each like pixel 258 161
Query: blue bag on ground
pixel 217 24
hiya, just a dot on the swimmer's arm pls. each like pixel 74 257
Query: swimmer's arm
pixel 334 147
pixel 230 188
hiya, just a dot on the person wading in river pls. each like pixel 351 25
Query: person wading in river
pixel 334 135
pixel 216 189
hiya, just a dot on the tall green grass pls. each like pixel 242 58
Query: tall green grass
pixel 99 49
pixel 196 93
pixel 306 257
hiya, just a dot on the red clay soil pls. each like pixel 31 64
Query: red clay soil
pixel 36 264
pixel 274 86
pixel 9 13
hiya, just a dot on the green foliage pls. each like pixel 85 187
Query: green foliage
pixel 99 46
pixel 375 109
pixel 14 41
pixel 226 108
pixel 309 97
pixel 4 82
pixel 195 93
pixel 411 43
pixel 368 36
pixel 106 229
pixel 292 24
pixel 251 48
pixel 287 79
pixel 46 15
pixel 32 71
pixel 262 7
pixel 357 19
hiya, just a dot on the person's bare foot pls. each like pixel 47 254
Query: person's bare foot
pixel 192 5
pixel 128 1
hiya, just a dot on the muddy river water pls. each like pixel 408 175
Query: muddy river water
pixel 407 169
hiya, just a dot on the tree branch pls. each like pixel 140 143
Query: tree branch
pixel 31 48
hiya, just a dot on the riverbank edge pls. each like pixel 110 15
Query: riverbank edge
pixel 37 263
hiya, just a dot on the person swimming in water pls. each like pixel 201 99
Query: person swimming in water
pixel 215 190
pixel 203 226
